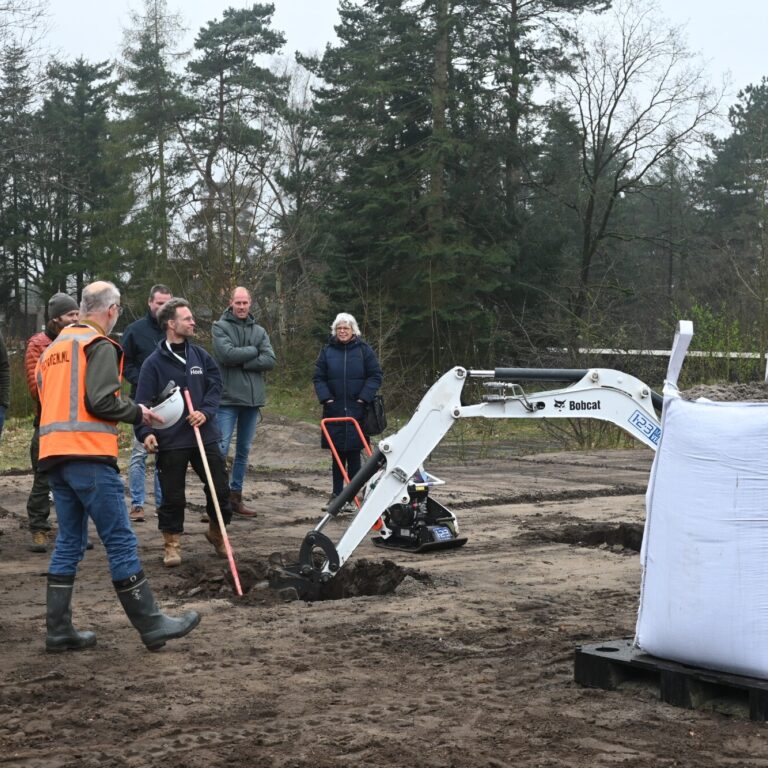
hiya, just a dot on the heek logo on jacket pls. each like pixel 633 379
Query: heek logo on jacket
pixel 200 375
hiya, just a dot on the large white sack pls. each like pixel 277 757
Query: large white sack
pixel 704 595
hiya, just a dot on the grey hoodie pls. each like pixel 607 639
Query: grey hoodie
pixel 243 351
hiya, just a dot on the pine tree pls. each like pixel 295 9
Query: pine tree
pixel 153 101
pixel 89 195
pixel 17 268
pixel 231 145
pixel 427 109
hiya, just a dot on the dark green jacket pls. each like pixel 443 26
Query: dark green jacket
pixel 244 353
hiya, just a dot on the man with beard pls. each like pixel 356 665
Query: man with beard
pixel 190 367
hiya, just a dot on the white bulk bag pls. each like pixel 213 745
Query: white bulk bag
pixel 704 593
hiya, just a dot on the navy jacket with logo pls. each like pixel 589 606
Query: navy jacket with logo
pixel 200 375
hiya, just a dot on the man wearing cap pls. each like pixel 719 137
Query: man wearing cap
pixel 79 378
pixel 62 311
pixel 189 366
pixel 139 341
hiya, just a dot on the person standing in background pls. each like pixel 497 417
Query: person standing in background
pixel 62 311
pixel 139 342
pixel 190 367
pixel 347 377
pixel 244 353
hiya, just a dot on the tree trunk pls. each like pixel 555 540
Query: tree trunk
pixel 512 170
pixel 436 209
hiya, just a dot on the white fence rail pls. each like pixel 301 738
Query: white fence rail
pixel 666 353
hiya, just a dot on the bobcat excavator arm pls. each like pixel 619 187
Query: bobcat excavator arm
pixel 595 393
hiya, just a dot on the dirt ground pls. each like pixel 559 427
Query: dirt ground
pixel 467 662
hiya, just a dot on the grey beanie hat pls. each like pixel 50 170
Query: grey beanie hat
pixel 60 303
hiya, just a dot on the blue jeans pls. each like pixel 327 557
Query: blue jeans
pixel 83 489
pixel 246 419
pixel 137 471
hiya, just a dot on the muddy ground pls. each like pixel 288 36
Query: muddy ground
pixel 467 662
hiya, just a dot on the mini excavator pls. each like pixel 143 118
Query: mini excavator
pixel 395 487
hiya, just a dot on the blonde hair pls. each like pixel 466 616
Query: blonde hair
pixel 345 317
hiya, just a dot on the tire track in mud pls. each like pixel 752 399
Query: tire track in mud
pixel 546 462
pixel 551 496
pixel 494 501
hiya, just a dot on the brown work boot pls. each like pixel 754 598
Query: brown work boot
pixel 172 551
pixel 137 514
pixel 214 535
pixel 39 541
pixel 238 508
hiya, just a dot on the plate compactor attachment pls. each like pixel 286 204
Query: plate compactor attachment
pixel 420 525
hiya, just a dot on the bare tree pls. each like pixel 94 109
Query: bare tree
pixel 637 94
pixel 23 20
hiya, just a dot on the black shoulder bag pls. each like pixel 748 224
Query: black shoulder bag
pixel 375 418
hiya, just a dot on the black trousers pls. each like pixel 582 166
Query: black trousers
pixel 172 469
pixel 351 462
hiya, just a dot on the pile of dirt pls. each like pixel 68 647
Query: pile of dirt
pixel 360 578
pixel 215 580
pixel 370 578
pixel 750 392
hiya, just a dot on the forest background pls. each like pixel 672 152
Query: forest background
pixel 483 183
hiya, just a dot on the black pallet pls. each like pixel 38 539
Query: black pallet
pixel 611 663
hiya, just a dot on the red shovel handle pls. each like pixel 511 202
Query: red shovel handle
pixel 222 527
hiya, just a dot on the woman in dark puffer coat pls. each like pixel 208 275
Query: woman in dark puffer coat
pixel 347 376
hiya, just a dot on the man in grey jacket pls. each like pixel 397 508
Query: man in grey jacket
pixel 244 353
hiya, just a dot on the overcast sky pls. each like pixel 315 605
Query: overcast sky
pixel 729 35
pixel 93 28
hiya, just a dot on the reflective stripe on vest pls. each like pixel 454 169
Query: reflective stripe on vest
pixel 66 427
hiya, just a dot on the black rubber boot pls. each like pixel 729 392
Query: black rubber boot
pixel 60 634
pixel 154 626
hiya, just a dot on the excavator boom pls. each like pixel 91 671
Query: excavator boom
pixel 595 393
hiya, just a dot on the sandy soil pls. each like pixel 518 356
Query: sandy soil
pixel 468 662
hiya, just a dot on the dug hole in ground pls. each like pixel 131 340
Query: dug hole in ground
pixel 466 660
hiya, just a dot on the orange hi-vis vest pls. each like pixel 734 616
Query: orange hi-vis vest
pixel 66 427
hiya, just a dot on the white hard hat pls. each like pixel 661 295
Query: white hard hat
pixel 171 409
